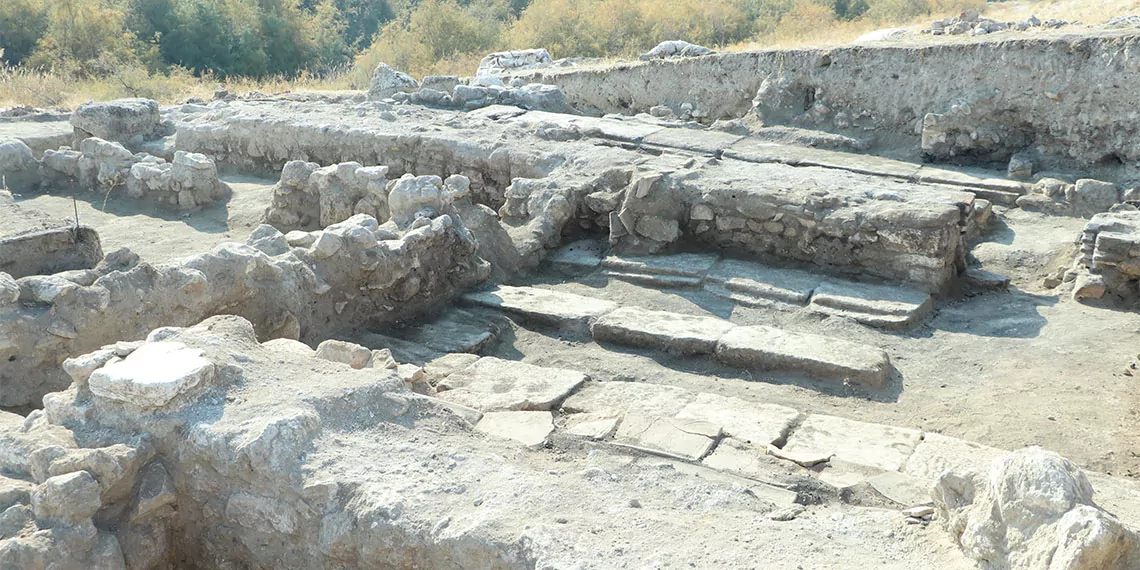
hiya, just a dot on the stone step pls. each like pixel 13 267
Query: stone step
pixel 655 280
pixel 750 279
pixel 883 306
pixel 543 306
pixel 660 330
pixel 694 265
pixel 582 255
pixel 769 349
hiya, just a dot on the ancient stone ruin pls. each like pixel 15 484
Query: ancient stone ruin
pixel 818 308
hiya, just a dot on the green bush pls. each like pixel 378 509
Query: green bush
pixel 22 24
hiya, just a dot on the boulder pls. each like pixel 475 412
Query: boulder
pixel 387 82
pixel 676 48
pixel 1090 197
pixel 1032 510
pixel 413 195
pixel 118 121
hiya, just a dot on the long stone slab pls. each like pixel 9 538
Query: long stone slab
pixel 493 385
pixel 770 349
pixel 660 330
pixel 757 280
pixel 872 445
pixel 679 264
pixel 543 305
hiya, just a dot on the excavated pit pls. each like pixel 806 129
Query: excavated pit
pixel 368 334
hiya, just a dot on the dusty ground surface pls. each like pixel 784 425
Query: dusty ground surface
pixel 159 236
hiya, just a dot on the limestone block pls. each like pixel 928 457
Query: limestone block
pixel 671 332
pixel 153 375
pixel 354 355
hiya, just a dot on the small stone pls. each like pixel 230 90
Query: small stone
pixel 1088 286
pixel 919 512
pixel 348 353
pixel 784 515
pixel 635 504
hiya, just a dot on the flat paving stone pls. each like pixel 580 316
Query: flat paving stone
pixel 744 477
pixel 770 349
pixel 531 429
pixel 903 489
pixel 939 453
pixel 873 445
pixel 543 305
pixel 695 265
pixel 595 429
pixel 494 385
pixel 660 330
pixel 750 278
pixel 612 399
pixel 679 438
pixel 755 423
pixel 873 299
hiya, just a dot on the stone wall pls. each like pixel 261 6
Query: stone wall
pixel 309 286
pixel 1067 99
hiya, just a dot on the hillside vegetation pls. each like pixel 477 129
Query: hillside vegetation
pixel 59 52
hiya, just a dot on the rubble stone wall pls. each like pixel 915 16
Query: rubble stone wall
pixel 1067 98
pixel 349 275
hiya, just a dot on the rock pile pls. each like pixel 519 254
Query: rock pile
pixel 1085 198
pixel 127 121
pixel 972 23
pixel 485 89
pixel 497 63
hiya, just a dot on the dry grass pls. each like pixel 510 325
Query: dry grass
pixel 1087 11
pixel 19 86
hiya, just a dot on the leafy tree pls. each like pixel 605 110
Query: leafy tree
pixel 22 24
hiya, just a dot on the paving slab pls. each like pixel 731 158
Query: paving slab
pixel 612 399
pixel 595 429
pixel 750 422
pixel 531 429
pixel 660 330
pixel 904 490
pixel 873 445
pixel 543 305
pixel 939 453
pixel 686 439
pixel 769 349
pixel 402 350
pixel 455 330
pixel 845 475
pixel 439 368
pixel 494 385
pixel 694 265
pixel 751 278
